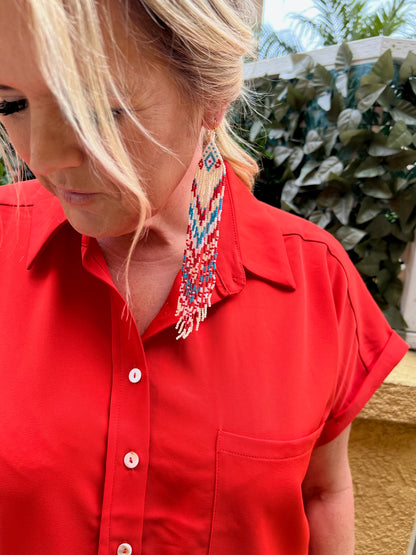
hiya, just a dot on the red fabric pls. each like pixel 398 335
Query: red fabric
pixel 224 422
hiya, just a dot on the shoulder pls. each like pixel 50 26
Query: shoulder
pixel 28 215
pixel 265 230
pixel 23 194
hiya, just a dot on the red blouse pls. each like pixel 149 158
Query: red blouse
pixel 115 443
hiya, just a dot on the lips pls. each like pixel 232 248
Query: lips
pixel 76 197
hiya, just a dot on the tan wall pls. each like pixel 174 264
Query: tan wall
pixel 383 461
pixel 383 465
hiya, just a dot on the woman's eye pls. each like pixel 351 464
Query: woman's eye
pixel 116 112
pixel 12 107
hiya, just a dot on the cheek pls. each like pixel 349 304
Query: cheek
pixel 18 133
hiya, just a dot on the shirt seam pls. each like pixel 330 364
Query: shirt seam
pixel 16 205
pixel 335 257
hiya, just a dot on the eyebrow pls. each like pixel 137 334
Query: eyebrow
pixel 5 88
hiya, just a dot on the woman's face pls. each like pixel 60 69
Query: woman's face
pixel 49 146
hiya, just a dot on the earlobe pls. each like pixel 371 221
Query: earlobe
pixel 213 118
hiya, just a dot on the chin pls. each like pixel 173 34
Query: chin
pixel 99 228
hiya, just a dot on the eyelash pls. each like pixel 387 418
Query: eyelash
pixel 8 108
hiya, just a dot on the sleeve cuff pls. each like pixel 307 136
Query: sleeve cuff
pixel 393 352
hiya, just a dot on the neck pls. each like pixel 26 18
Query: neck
pixel 164 233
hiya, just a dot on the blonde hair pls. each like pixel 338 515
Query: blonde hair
pixel 201 42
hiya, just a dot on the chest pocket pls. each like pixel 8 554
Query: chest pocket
pixel 258 505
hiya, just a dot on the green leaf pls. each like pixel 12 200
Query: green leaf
pixel 394 318
pixel 324 101
pixel 399 183
pixel 341 83
pixel 404 205
pixel 295 98
pixel 342 209
pixel 308 168
pixel 287 175
pixel 330 139
pixel 281 153
pixel 368 210
pixel 379 226
pixel 331 165
pixel 402 160
pixel 408 67
pixel 337 106
pixel 377 188
pixel 293 123
pixel 381 150
pixel 404 111
pixel 371 167
pixel 367 95
pixel 349 119
pixel 412 81
pixel 302 65
pixel 280 110
pixel 289 191
pixel 370 264
pixel 328 197
pixel 256 129
pixel 382 71
pixel 289 207
pixel 307 207
pixel 383 279
pixel 312 179
pixel 356 138
pixel 379 146
pixel 399 136
pixel 280 89
pixel 321 218
pixel 276 133
pixel 394 292
pixel 344 58
pixel 396 250
pixel 349 236
pixel 306 88
pixel 388 99
pixel 323 80
pixel 313 142
pixel 369 79
pixel 295 158
pixel 341 182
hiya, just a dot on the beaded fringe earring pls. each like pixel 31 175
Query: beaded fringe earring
pixel 199 261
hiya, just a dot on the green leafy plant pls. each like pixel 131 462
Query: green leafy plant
pixel 336 21
pixel 3 174
pixel 338 148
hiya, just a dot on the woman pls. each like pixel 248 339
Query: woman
pixel 153 401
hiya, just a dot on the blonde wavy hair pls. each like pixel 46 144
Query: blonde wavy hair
pixel 201 42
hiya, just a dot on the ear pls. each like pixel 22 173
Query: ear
pixel 213 118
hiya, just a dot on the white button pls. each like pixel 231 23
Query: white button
pixel 124 549
pixel 135 375
pixel 131 460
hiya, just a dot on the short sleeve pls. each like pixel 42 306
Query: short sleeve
pixel 368 349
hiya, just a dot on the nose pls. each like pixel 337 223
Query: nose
pixel 53 143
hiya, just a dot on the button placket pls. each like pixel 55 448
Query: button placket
pixel 125 487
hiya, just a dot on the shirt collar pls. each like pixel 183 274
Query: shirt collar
pixel 260 240
pixel 47 218
pixel 250 237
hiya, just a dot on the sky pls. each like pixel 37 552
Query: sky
pixel 275 11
